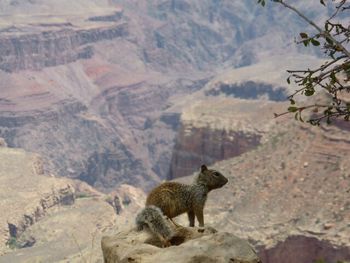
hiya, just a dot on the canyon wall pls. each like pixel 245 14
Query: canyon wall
pixel 51 48
pixel 97 154
pixel 196 146
pixel 218 128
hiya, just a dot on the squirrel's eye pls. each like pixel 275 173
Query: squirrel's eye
pixel 216 174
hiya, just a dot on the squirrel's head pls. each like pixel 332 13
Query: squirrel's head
pixel 211 178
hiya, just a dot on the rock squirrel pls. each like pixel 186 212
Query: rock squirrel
pixel 171 199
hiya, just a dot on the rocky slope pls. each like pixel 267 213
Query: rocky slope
pixel 49 219
pixel 292 189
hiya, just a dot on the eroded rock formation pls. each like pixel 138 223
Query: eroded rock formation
pixel 217 129
pixel 26 194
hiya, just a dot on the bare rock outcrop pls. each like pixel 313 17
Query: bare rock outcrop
pixel 58 195
pixel 191 246
pixel 76 229
pixel 26 194
pixel 212 130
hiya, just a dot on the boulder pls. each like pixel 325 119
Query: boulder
pixel 189 245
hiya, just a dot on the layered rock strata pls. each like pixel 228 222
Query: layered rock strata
pixel 217 129
pixel 51 48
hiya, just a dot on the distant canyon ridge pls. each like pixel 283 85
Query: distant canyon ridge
pixel 100 89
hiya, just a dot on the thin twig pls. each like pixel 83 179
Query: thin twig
pixel 322 32
pixel 338 8
pixel 301 109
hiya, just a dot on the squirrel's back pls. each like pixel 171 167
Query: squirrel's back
pixel 172 198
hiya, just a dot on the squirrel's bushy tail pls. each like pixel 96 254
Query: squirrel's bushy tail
pixel 151 218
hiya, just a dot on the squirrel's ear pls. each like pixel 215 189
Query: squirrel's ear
pixel 203 168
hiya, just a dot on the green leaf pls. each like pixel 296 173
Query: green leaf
pixel 326 26
pixel 332 54
pixel 262 2
pixel 309 92
pixel 330 41
pixel 303 35
pixel 306 42
pixel 292 109
pixel 346 67
pixel 333 77
pixel 292 101
pixel 315 42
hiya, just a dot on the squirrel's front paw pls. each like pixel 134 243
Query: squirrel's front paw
pixel 201 229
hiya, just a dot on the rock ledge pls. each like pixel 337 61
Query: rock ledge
pixel 196 246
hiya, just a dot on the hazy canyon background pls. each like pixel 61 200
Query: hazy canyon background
pixel 100 100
